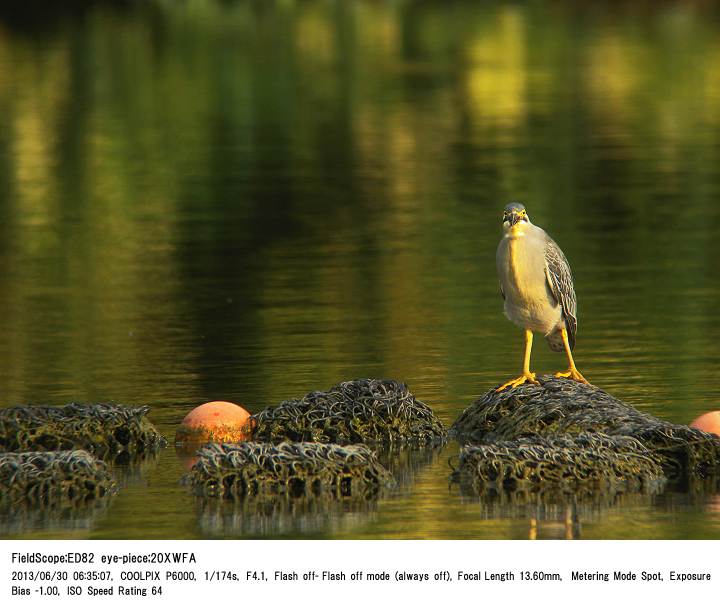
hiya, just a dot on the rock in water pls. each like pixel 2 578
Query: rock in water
pixel 293 469
pixel 108 431
pixel 560 406
pixel 588 462
pixel 360 411
pixel 53 478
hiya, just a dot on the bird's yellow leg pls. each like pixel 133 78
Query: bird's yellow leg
pixel 527 376
pixel 572 372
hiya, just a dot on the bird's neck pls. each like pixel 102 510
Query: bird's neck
pixel 517 230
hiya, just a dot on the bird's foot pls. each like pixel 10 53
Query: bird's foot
pixel 574 374
pixel 526 377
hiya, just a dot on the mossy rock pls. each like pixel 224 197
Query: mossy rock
pixel 560 406
pixel 291 469
pixel 109 431
pixel 363 411
pixel 53 478
pixel 592 461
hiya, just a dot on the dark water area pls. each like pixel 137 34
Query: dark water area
pixel 251 200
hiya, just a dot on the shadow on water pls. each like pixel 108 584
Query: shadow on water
pixel 407 464
pixel 73 518
pixel 283 516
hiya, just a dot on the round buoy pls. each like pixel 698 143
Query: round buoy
pixel 214 422
pixel 710 422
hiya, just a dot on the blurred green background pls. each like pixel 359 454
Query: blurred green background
pixel 249 200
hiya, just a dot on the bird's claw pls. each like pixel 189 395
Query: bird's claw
pixel 526 377
pixel 574 374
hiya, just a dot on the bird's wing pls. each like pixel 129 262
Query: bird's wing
pixel 502 292
pixel 560 281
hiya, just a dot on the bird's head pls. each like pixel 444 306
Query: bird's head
pixel 514 214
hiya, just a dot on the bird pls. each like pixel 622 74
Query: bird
pixel 537 288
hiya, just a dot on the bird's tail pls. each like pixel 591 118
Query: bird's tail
pixel 555 340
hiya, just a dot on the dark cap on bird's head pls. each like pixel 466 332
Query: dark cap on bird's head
pixel 514 213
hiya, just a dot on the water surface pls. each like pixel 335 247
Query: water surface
pixel 251 200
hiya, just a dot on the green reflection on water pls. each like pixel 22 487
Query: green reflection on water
pixel 240 200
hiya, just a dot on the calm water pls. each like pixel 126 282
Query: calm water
pixel 251 200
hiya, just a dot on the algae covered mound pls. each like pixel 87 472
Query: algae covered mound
pixel 360 411
pixel 591 461
pixel 295 469
pixel 53 478
pixel 106 430
pixel 561 406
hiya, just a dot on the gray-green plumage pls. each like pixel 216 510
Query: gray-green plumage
pixel 561 284
pixel 535 279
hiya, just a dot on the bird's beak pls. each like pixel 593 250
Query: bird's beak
pixel 513 218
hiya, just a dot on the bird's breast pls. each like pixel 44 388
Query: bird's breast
pixel 521 270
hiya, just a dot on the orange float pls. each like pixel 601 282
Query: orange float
pixel 710 422
pixel 215 422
